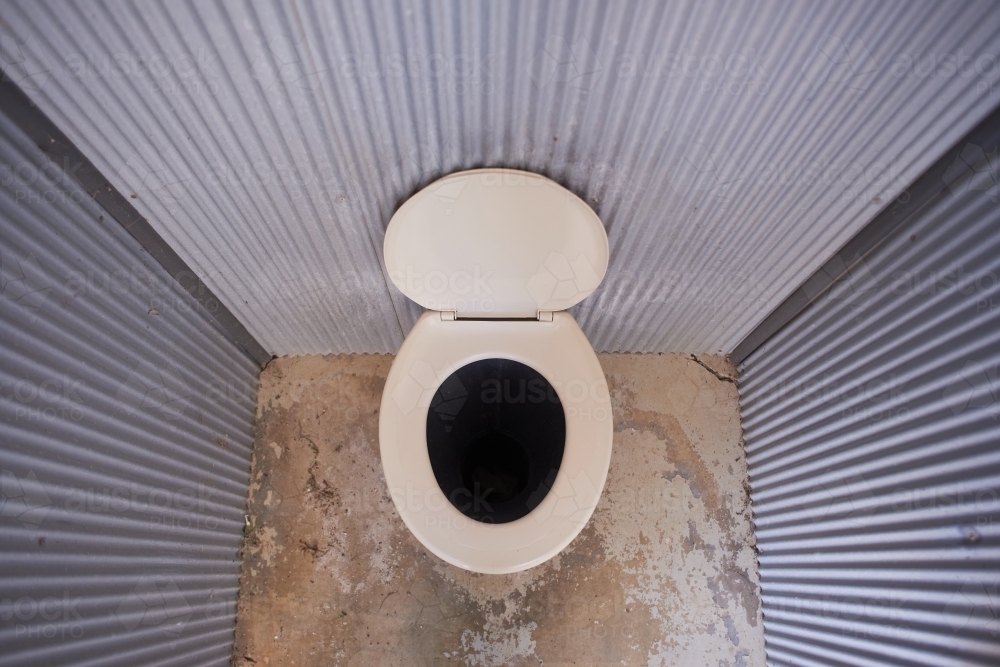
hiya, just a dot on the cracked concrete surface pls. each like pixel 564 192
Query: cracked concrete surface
pixel 664 574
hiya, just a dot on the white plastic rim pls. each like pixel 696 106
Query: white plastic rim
pixel 434 350
pixel 496 243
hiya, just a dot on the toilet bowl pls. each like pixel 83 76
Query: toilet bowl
pixel 495 427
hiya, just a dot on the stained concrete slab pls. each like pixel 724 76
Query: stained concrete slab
pixel 664 574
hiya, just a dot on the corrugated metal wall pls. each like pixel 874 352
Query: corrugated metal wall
pixel 728 147
pixel 125 434
pixel 873 445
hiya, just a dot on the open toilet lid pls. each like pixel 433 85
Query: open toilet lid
pixel 496 243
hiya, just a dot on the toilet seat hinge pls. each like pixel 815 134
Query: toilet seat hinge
pixel 541 316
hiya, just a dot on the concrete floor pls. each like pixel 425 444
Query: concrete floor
pixel 664 573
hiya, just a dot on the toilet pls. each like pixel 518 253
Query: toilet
pixel 495 427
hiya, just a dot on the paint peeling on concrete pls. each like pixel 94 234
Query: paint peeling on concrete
pixel 265 547
pixel 663 574
pixel 495 646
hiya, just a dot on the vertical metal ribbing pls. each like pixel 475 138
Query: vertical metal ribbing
pixel 728 149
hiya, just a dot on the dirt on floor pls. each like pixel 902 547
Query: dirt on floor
pixel 664 573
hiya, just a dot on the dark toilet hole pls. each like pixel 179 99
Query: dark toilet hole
pixel 495 436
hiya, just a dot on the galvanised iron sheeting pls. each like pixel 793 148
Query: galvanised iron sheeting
pixel 57 147
pixel 728 147
pixel 872 431
pixel 125 435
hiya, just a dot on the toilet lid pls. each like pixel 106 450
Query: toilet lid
pixel 496 243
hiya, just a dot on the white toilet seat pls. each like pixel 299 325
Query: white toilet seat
pixel 435 348
pixel 497 255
